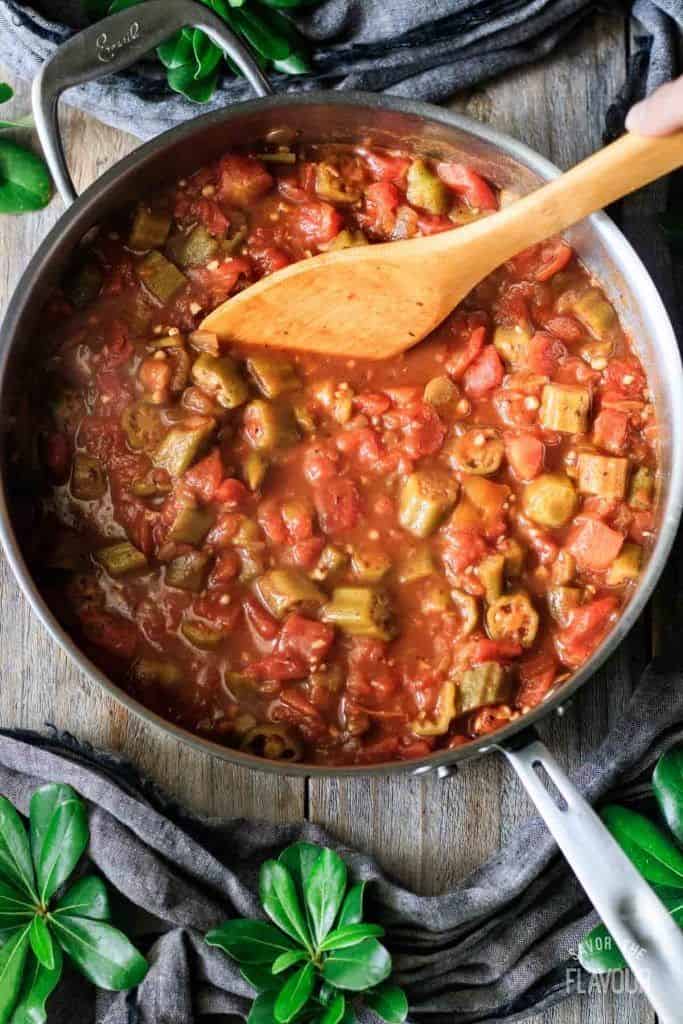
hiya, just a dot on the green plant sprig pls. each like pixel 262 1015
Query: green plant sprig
pixel 42 917
pixel 25 183
pixel 317 948
pixel 657 856
pixel 193 63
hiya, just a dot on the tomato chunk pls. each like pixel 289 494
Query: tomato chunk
pixel 468 184
pixel 485 374
pixel 338 505
pixel 525 454
pixel 306 639
pixel 593 544
pixel 242 180
pixel 610 430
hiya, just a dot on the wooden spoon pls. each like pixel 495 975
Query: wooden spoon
pixel 373 301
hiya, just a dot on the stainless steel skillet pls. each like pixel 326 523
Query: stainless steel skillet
pixel 650 941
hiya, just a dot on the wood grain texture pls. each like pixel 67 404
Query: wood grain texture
pixel 428 834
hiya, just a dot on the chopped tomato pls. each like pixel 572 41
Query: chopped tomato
pixel 363 443
pixel 320 462
pixel 271 521
pixel 278 667
pixel 468 184
pixel 433 224
pixel 460 360
pixel 593 544
pixel 269 258
pixel 319 223
pixel 386 167
pixel 536 676
pixel 218 610
pixel 485 374
pixel 482 650
pixel 554 257
pixel 204 477
pixel 222 532
pixel 588 625
pixel 232 493
pixel 423 430
pixel 242 180
pixel 462 549
pixel 262 622
pixel 226 568
pixel 626 375
pixel 338 505
pixel 567 328
pixel 525 454
pixel 372 403
pixel 305 553
pixel 221 280
pixel 306 639
pixel 211 216
pixel 544 354
pixel 381 201
pixel 642 526
pixel 610 430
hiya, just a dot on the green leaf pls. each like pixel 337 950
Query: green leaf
pixel 65 843
pixel 667 780
pixel 41 942
pixel 24 182
pixel 280 901
pixel 59 836
pixel 287 960
pixel 14 906
pixel 207 55
pixel 360 967
pixel 299 860
pixel 44 803
pixel 261 978
pixel 198 90
pixel 599 953
pixel 177 52
pixel 334 1012
pixel 250 942
pixel 324 892
pixel 261 36
pixel 295 64
pixel 294 994
pixel 38 985
pixel 15 854
pixel 12 960
pixel 352 908
pixel 86 898
pixel 6 92
pixel 350 935
pixel 263 1009
pixel 650 850
pixel 389 1002
pixel 102 953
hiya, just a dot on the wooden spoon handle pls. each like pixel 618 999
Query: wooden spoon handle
pixel 609 174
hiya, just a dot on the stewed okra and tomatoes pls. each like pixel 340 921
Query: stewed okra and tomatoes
pixel 341 562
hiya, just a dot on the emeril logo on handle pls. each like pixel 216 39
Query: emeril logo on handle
pixel 106 51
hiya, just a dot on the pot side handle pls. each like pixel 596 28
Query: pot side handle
pixel 113 44
pixel 644 931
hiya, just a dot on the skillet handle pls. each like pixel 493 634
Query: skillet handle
pixel 650 941
pixel 112 45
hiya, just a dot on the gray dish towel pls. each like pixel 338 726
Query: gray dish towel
pixel 424 49
pixel 499 947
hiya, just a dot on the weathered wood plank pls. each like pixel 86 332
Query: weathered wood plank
pixel 39 684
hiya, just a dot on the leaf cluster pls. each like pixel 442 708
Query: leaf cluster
pixel 43 917
pixel 317 951
pixel 657 856
pixel 24 179
pixel 193 63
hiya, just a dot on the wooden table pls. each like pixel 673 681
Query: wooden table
pixel 427 833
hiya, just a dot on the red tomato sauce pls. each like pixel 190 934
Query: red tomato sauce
pixel 328 560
